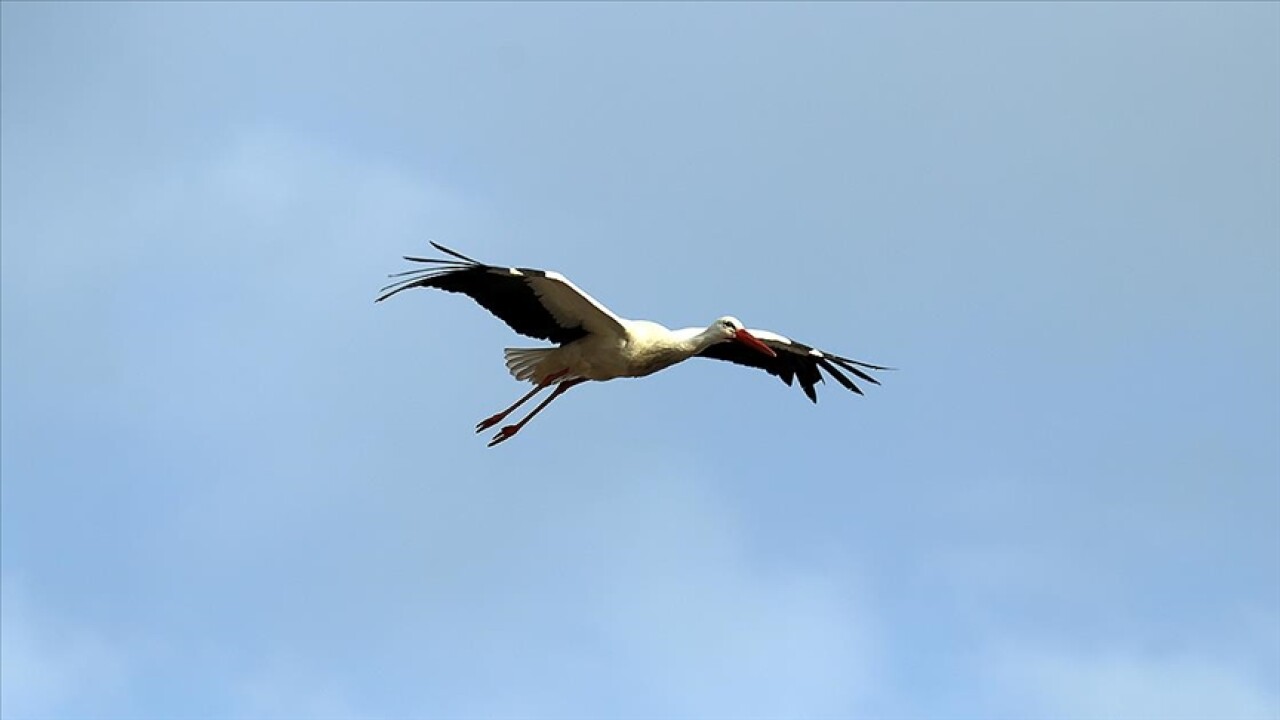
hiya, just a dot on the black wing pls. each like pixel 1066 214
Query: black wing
pixel 794 361
pixel 536 303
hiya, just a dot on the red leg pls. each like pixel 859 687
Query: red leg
pixel 495 419
pixel 509 431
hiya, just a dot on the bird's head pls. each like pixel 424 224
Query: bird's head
pixel 730 328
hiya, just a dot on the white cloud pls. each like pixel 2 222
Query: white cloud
pixel 672 614
pixel 273 177
pixel 506 593
pixel 287 687
pixel 1113 684
pixel 51 666
pixel 717 630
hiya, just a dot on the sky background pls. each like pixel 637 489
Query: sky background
pixel 234 487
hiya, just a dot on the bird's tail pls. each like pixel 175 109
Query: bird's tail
pixel 527 363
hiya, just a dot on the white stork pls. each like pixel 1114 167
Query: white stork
pixel 596 344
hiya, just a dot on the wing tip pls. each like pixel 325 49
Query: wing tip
pixel 454 253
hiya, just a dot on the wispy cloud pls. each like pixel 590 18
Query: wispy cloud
pixel 291 687
pixel 52 666
pixel 1116 683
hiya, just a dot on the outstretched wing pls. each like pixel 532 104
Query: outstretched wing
pixel 794 361
pixel 536 303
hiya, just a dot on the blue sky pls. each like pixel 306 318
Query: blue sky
pixel 233 486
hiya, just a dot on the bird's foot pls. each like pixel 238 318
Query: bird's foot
pixel 504 434
pixel 489 422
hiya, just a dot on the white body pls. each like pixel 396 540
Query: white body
pixel 641 348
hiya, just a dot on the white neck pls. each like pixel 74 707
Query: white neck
pixel 695 340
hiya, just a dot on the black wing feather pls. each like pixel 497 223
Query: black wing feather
pixel 839 376
pixel 509 297
pixel 795 361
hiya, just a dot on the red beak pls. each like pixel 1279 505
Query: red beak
pixel 753 342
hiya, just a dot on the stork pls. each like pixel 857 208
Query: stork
pixel 593 343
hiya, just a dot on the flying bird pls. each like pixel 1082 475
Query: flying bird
pixel 593 343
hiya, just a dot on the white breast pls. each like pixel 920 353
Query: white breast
pixel 651 347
